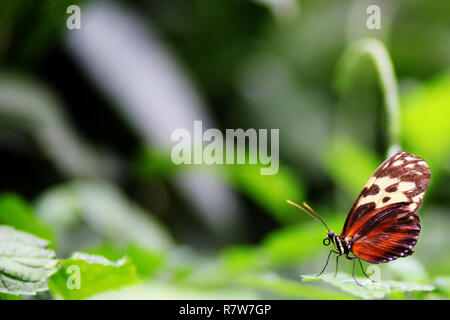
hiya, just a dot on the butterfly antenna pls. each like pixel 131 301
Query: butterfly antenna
pixel 312 211
pixel 311 214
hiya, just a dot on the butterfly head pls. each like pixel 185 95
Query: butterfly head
pixel 329 238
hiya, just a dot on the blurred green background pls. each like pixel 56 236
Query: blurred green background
pixel 86 117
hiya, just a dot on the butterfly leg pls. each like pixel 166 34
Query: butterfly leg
pixel 337 263
pixel 364 272
pixel 326 263
pixel 354 278
pixel 354 263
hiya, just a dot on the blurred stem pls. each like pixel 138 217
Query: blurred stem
pixel 24 103
pixel 378 53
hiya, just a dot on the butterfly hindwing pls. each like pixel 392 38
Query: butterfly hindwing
pixel 382 224
pixel 390 233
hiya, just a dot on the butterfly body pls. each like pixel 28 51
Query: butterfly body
pixel 341 245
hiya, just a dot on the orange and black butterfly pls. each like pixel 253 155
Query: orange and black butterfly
pixel 382 224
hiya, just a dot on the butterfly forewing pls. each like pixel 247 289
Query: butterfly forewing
pixel 382 224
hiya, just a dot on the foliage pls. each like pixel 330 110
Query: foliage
pixel 25 262
pixel 14 211
pixel 86 176
pixel 97 274
pixel 368 289
pixel 102 207
pixel 427 105
pixel 147 262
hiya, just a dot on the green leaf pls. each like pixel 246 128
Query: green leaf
pixel 83 275
pixel 147 262
pixel 6 296
pixel 170 291
pixel 443 285
pixel 25 263
pixel 369 290
pixel 15 212
pixel 291 289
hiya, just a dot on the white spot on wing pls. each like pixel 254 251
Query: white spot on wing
pixel 413 166
pixel 406 186
pixel 370 182
pixel 384 183
pixel 418 198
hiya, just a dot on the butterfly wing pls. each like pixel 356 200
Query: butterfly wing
pixel 382 224
pixel 392 234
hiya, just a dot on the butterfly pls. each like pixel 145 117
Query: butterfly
pixel 382 224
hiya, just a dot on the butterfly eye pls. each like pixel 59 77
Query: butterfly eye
pixel 326 241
